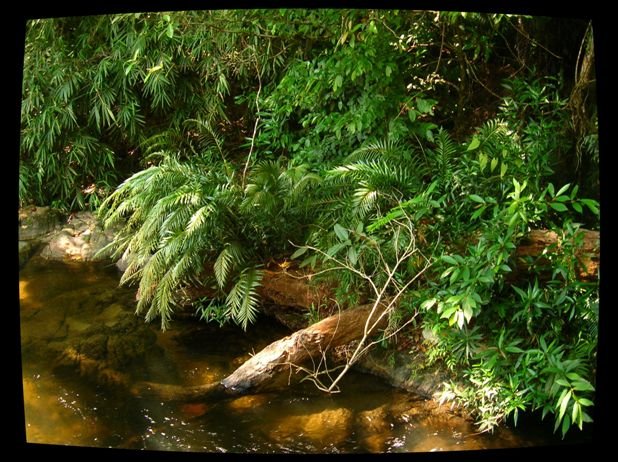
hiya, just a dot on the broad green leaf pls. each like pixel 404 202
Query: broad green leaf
pixel 574 376
pixel 449 311
pixel 467 312
pixel 564 404
pixel 424 106
pixel 477 213
pixel 566 423
pixel 352 255
pixel 429 135
pixel 582 385
pixel 341 232
pixel 449 259
pixel 482 161
pixel 563 189
pixel 454 276
pixel 460 319
pixel 412 115
pixel 336 248
pixel 557 206
pixel 474 144
pixel 300 251
pixel 503 168
pixel 477 198
pixel 592 205
pixel 338 82
pixel 585 402
pixel 576 412
pixel 427 304
pixel 494 164
pixel 577 207
pixel 563 382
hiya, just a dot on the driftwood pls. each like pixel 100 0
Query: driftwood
pixel 274 365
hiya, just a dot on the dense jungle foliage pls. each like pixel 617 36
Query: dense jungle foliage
pixel 217 141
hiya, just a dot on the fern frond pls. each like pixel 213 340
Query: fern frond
pixel 379 150
pixel 230 257
pixel 199 219
pixel 242 301
pixel 364 200
pixel 163 301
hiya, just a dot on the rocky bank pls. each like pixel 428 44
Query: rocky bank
pixel 47 234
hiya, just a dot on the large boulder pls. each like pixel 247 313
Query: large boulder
pixel 26 250
pixel 36 225
pixel 36 222
pixel 81 238
pixel 405 370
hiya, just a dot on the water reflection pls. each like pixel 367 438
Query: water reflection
pixel 80 305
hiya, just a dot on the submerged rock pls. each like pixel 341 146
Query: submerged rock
pixel 333 425
pixel 248 402
pixel 115 345
pixel 374 428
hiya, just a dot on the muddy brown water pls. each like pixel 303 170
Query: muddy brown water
pixel 61 302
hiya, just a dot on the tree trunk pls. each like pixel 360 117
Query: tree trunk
pixel 272 368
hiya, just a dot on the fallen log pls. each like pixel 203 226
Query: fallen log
pixel 531 251
pixel 272 367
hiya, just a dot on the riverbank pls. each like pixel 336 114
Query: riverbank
pixel 47 234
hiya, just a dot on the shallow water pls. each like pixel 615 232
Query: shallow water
pixel 60 304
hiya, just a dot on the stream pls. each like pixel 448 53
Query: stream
pixel 80 305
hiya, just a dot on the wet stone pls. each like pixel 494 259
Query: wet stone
pixel 112 314
pixel 333 425
pixel 76 325
pixel 248 403
pixel 374 428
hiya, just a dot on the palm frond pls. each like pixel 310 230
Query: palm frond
pixel 230 257
pixel 379 150
pixel 242 301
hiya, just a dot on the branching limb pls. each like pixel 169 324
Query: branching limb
pixel 387 296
